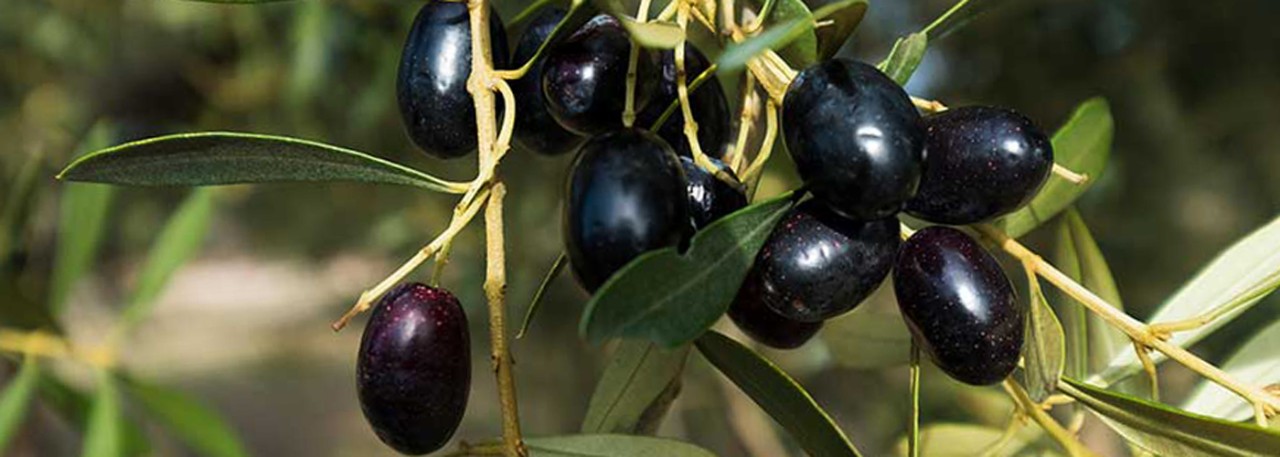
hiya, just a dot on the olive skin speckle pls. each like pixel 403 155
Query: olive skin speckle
pixel 855 136
pixel 818 264
pixel 413 372
pixel 959 305
pixel 980 163
pixel 431 88
pixel 765 325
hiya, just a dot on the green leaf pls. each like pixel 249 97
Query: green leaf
pixel 654 34
pixel 179 240
pixel 905 56
pixel 873 335
pixel 1082 145
pixel 15 399
pixel 638 374
pixel 1078 256
pixel 556 268
pixel 201 428
pixel 217 158
pixel 1167 431
pixel 102 435
pixel 845 15
pixel 17 205
pixel 779 395
pixel 736 55
pixel 1256 363
pixel 1044 353
pixel 611 446
pixel 74 407
pixel 802 50
pixel 967 440
pixel 669 298
pixel 1229 285
pixel 83 211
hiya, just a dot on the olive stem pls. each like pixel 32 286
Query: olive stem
pixel 943 18
pixel 43 344
pixel 746 118
pixel 1071 176
pixel 1144 356
pixel 913 425
pixel 495 290
pixel 1265 403
pixel 753 171
pixel 629 110
pixel 1042 418
pixel 682 91
pixel 928 106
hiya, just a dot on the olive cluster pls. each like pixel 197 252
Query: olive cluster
pixel 863 150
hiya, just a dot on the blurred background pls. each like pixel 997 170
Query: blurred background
pixel 244 326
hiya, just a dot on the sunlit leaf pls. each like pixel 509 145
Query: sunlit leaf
pixel 905 56
pixel 654 34
pixel 178 242
pixel 1082 145
pixel 638 374
pixel 199 427
pixel 778 394
pixel 671 298
pixel 1167 431
pixel 844 17
pixel 102 436
pixel 1232 283
pixel 736 55
pixel 83 211
pixel 217 158
pixel 1044 352
pixel 1256 363
pixel 1092 341
pixel 801 50
pixel 612 446
pixel 15 399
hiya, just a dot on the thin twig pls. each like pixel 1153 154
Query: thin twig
pixel 1046 422
pixel 913 425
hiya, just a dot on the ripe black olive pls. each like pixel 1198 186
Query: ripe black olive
pixel 765 325
pixel 584 79
pixel 818 264
pixel 856 138
pixel 980 162
pixel 413 375
pixel 535 129
pixel 708 104
pixel 709 198
pixel 431 88
pixel 959 305
pixel 626 195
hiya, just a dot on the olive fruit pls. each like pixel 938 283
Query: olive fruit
pixel 980 162
pixel 765 325
pixel 818 264
pixel 626 195
pixel 709 198
pixel 535 129
pixel 707 102
pixel 413 375
pixel 584 79
pixel 855 136
pixel 431 87
pixel 959 305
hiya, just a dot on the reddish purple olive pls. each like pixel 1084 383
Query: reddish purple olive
pixel 980 163
pixel 710 198
pixel 707 102
pixel 818 264
pixel 413 374
pixel 765 325
pixel 855 136
pixel 959 305
pixel 584 78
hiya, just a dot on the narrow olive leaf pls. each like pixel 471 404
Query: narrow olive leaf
pixel 967 440
pixel 872 336
pixel 638 374
pixel 905 56
pixel 1044 353
pixel 103 433
pixel 1167 431
pixel 654 34
pixel 178 242
pixel 556 268
pixel 217 158
pixel 1078 255
pixel 736 55
pixel 1256 363
pixel 17 203
pixel 844 17
pixel 669 298
pixel 1082 145
pixel 801 50
pixel 74 407
pixel 611 446
pixel 15 399
pixel 83 211
pixel 778 394
pixel 200 427
pixel 1233 282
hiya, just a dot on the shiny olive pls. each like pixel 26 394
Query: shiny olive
pixel 584 79
pixel 855 136
pixel 413 374
pixel 818 264
pixel 431 88
pixel 765 325
pixel 707 102
pixel 626 195
pixel 959 305
pixel 709 198
pixel 980 162
pixel 536 130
